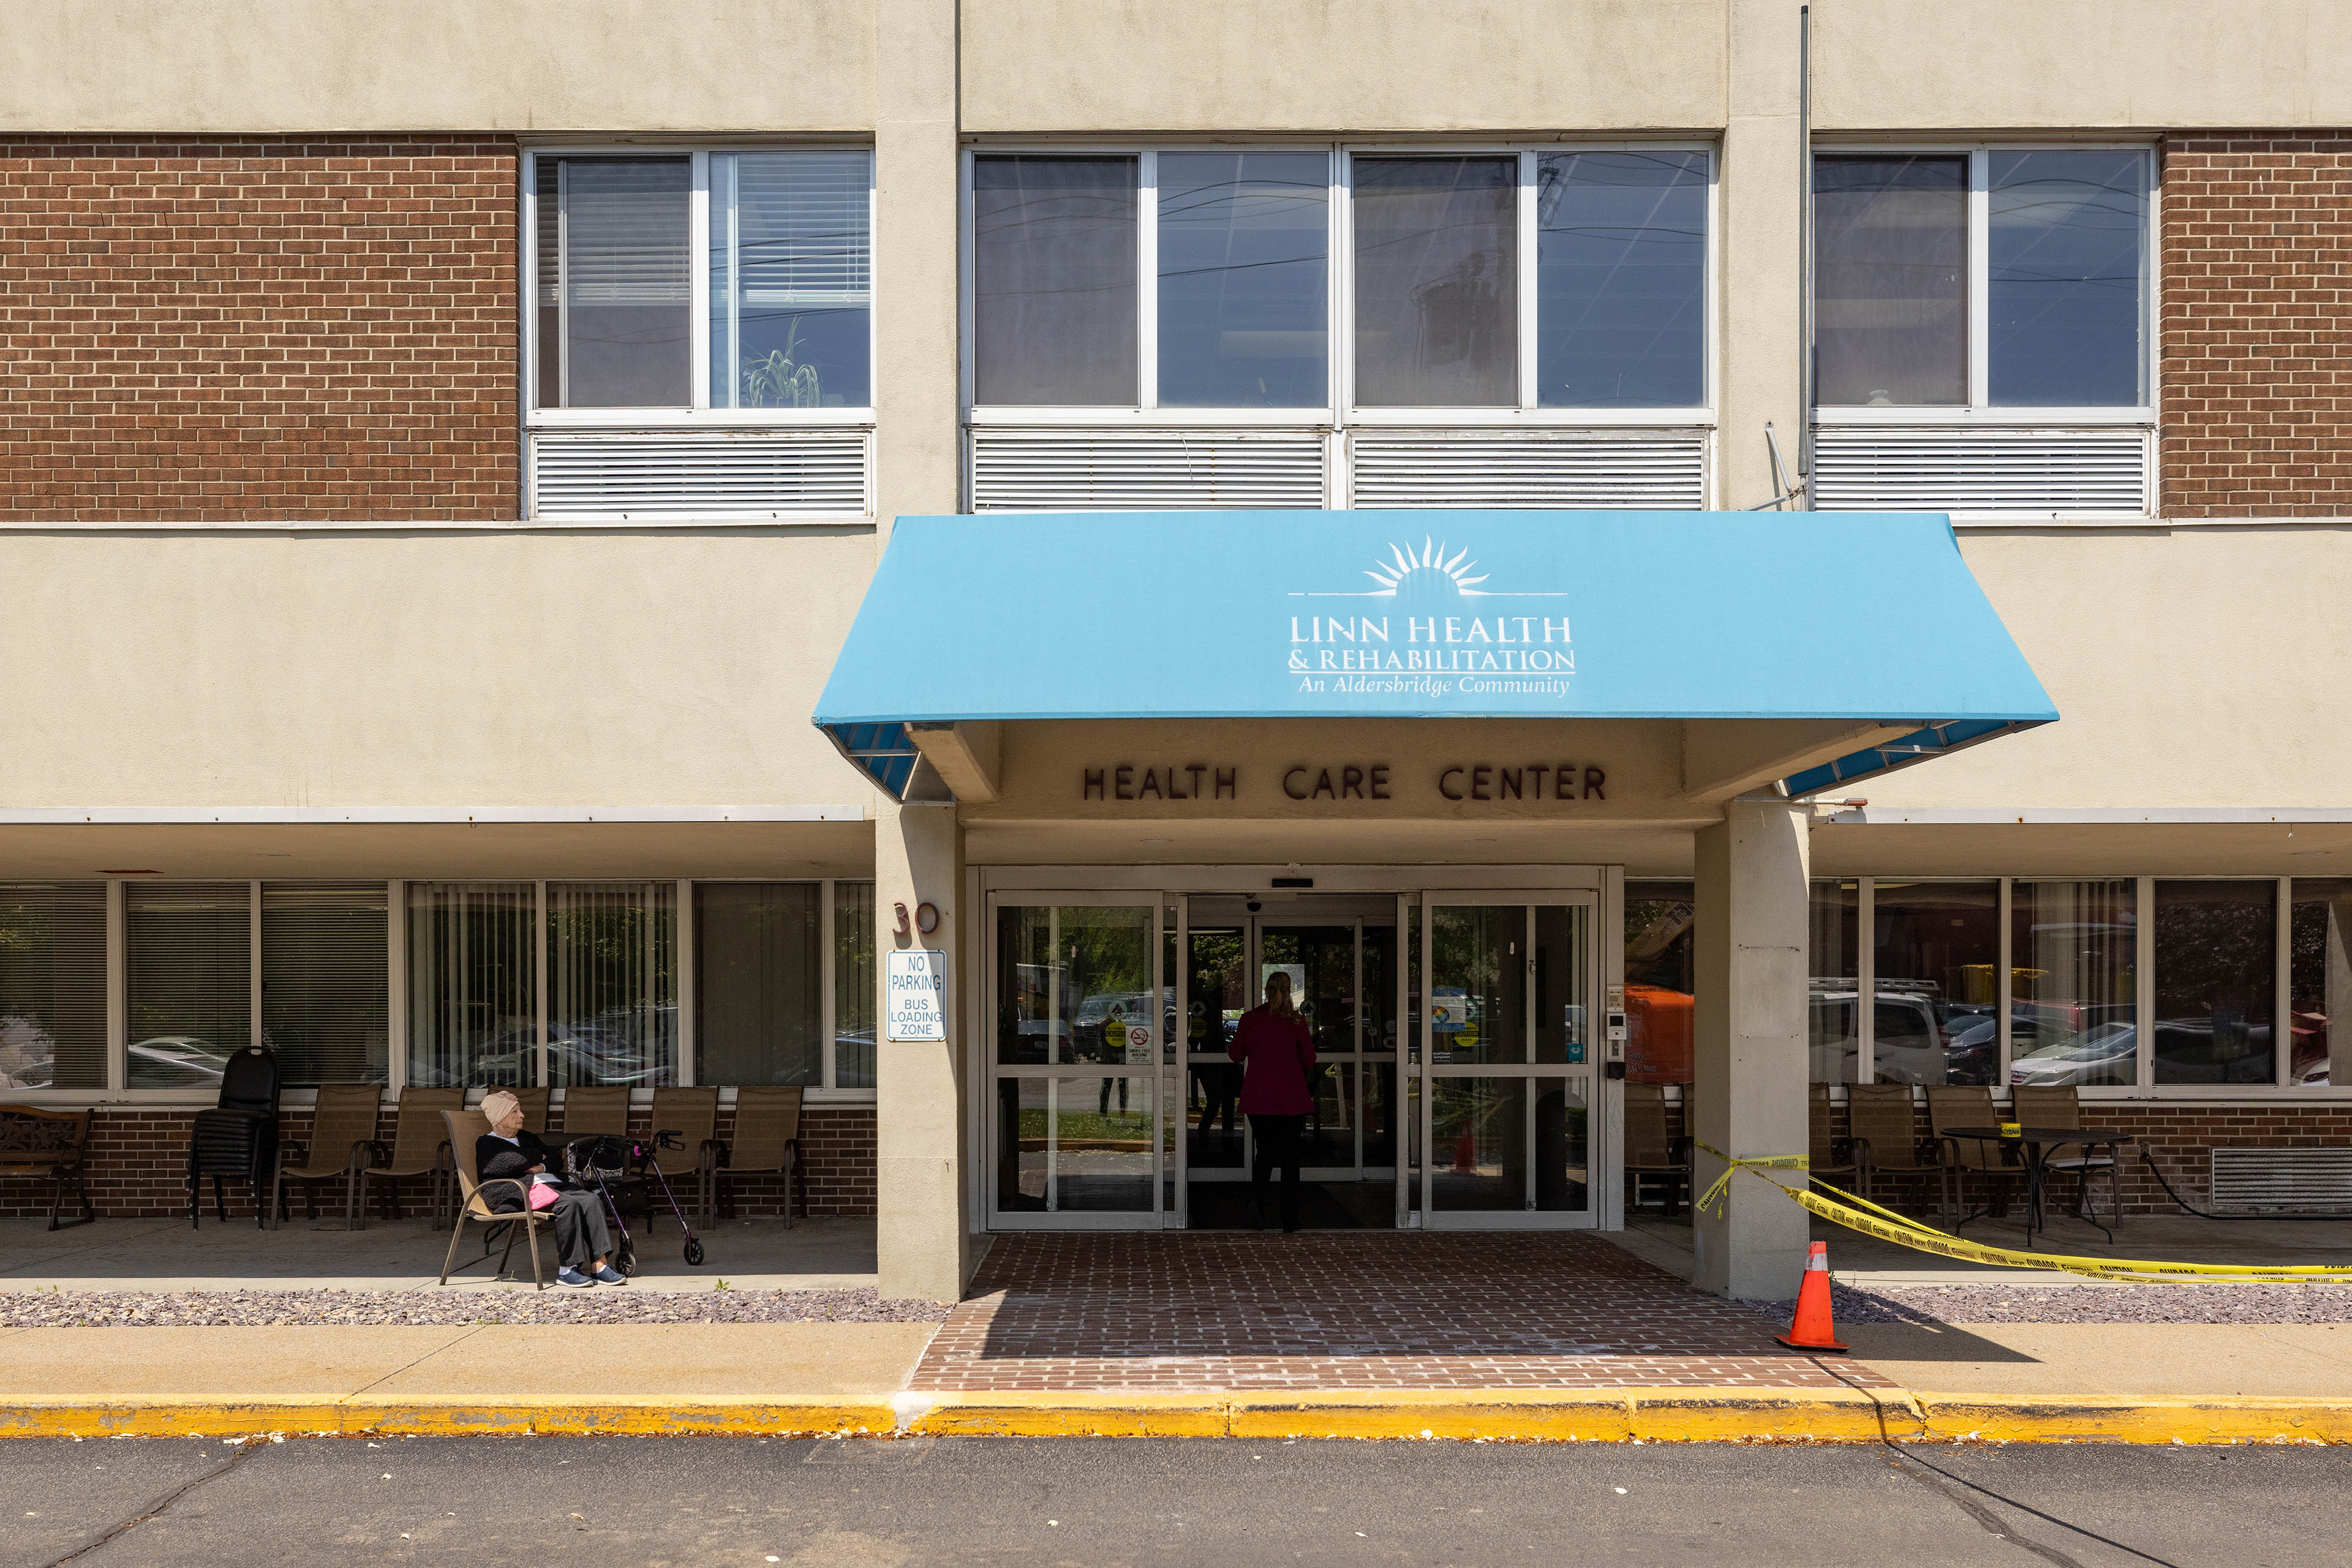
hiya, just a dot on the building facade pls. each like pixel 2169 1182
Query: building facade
pixel 447 449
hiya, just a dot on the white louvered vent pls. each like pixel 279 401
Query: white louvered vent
pixel 1144 470
pixel 2282 1181
pixel 614 475
pixel 1649 470
pixel 1879 468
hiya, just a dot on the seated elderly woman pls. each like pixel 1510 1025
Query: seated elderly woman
pixel 583 1242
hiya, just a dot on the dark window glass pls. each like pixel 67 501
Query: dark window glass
pixel 1054 281
pixel 759 983
pixel 189 978
pixel 1436 281
pixel 1935 1017
pixel 624 285
pixel 2216 981
pixel 326 981
pixel 1621 280
pixel 1890 281
pixel 1833 1036
pixel 2320 942
pixel 2067 305
pixel 53 986
pixel 1245 239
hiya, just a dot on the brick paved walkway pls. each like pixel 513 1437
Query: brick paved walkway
pixel 1390 1310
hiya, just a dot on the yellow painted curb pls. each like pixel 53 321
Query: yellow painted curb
pixel 1108 1414
pixel 2093 1419
pixel 446 1417
pixel 1777 1415
pixel 1506 1415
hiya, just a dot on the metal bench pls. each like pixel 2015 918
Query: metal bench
pixel 38 1142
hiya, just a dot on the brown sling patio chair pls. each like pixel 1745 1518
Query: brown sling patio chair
pixel 420 1147
pixel 590 1111
pixel 1650 1154
pixel 1971 1105
pixel 461 1127
pixel 766 1141
pixel 341 1145
pixel 693 1115
pixel 1888 1148
pixel 1829 1158
pixel 2062 1107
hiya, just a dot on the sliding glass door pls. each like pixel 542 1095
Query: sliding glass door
pixel 1508 1068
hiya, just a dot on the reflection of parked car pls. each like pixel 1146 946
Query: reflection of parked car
pixel 177 1061
pixel 1917 1035
pixel 2102 1054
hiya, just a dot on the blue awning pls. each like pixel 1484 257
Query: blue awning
pixel 1411 615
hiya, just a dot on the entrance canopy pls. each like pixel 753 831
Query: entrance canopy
pixel 1413 614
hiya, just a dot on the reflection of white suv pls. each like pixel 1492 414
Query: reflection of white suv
pixel 2103 1053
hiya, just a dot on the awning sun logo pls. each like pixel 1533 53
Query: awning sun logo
pixel 1424 641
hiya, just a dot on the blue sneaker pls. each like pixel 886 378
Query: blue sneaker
pixel 571 1277
pixel 608 1275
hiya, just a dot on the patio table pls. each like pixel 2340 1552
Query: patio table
pixel 2036 1144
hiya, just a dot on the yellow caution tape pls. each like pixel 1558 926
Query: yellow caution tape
pixel 1714 1196
pixel 1871 1219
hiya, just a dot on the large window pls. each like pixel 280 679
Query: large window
pixel 53 986
pixel 1504 281
pixel 325 1007
pixel 2319 984
pixel 2073 973
pixel 1660 981
pixel 759 981
pixel 778 243
pixel 1994 279
pixel 188 973
pixel 473 984
pixel 1935 1008
pixel 612 983
pixel 1833 999
pixel 2216 981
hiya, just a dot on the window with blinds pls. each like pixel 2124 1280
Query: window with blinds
pixel 325 996
pixel 188 957
pixel 52 986
pixel 620 274
pixel 473 989
pixel 612 983
pixel 792 255
pixel 759 983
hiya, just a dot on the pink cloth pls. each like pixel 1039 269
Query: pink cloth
pixel 1278 1053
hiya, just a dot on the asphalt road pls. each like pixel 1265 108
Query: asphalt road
pixel 1090 1504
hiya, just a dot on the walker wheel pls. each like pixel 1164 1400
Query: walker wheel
pixel 694 1254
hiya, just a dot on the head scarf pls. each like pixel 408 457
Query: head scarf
pixel 497 1106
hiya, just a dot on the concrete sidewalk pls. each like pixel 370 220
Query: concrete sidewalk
pixel 1499 1337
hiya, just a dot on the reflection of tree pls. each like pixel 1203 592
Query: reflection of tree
pixel 2213 952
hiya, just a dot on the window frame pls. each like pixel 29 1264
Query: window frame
pixel 1979 410
pixel 699 414
pixel 1339 410
pixel 116 1091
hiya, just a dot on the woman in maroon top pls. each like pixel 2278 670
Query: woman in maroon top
pixel 1276 1051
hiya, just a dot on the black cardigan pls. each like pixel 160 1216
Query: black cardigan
pixel 494 1157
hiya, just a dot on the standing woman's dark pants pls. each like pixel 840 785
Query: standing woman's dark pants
pixel 581 1234
pixel 1276 1140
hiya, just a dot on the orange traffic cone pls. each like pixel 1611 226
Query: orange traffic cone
pixel 1813 1330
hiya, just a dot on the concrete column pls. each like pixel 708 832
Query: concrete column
pixel 921 1146
pixel 1749 1045
pixel 918 435
pixel 1760 375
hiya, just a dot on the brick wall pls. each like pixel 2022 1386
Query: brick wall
pixel 258 328
pixel 2180 1137
pixel 139 1161
pixel 2257 352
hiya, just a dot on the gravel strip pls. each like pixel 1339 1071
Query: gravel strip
pixel 198 1309
pixel 2093 1303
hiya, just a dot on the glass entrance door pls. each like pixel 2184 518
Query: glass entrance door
pixel 1081 1010
pixel 1508 1062
pixel 1341 954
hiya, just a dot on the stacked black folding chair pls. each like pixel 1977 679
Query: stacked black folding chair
pixel 238 1137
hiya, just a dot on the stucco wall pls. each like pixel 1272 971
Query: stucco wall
pixel 447 670
pixel 400 65
pixel 2196 668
